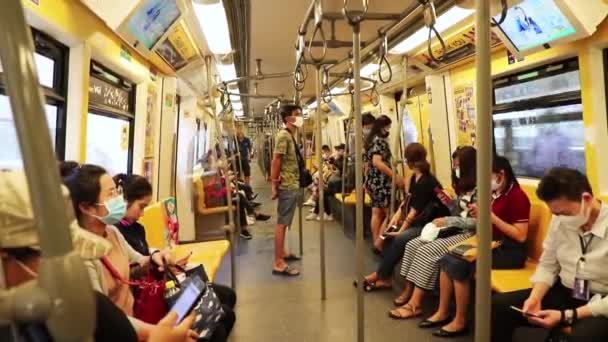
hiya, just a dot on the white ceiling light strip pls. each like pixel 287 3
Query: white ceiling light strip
pixel 451 17
pixel 214 24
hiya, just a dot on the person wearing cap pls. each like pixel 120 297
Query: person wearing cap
pixel 20 260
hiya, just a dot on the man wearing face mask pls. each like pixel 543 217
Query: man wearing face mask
pixel 571 279
pixel 285 177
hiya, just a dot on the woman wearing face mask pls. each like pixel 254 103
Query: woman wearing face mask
pixel 138 193
pixel 422 206
pixel 510 215
pixel 379 175
pixel 420 266
pixel 98 205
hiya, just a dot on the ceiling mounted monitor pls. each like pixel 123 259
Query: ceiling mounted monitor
pixel 150 21
pixel 534 25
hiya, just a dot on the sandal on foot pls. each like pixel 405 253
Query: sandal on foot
pixel 405 312
pixel 366 283
pixel 291 257
pixel 371 287
pixel 286 272
pixel 400 301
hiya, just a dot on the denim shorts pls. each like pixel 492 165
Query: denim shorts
pixel 287 203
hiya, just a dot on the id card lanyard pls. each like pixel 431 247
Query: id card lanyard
pixel 581 285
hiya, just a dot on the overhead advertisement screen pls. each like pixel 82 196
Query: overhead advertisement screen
pixel 533 23
pixel 152 19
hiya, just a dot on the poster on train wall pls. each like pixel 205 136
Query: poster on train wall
pixel 464 102
pixel 150 111
pixel 171 223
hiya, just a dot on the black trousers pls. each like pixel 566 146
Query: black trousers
pixel 227 296
pixel 506 321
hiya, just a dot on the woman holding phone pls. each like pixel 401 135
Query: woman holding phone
pixel 138 194
pixel 422 205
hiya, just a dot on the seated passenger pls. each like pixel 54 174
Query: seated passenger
pixel 138 194
pixel 332 183
pixel 420 260
pixel 422 207
pixel 20 257
pixel 510 215
pixel 564 293
pixel 98 205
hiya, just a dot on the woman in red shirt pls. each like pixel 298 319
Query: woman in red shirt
pixel 510 215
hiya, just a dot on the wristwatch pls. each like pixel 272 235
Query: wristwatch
pixel 569 317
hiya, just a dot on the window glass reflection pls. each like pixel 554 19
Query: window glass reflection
pixel 538 139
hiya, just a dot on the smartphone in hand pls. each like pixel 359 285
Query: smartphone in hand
pixel 391 229
pixel 529 314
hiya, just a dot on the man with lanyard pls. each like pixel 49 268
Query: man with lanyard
pixel 571 280
pixel 245 151
pixel 285 177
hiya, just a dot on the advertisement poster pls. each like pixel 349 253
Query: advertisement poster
pixel 171 223
pixel 150 112
pixel 464 101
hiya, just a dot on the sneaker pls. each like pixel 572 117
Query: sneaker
pixel 250 220
pixel 245 234
pixel 311 217
pixel 262 217
pixel 309 203
pixel 326 217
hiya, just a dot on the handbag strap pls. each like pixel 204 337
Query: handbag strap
pixel 301 163
pixel 115 274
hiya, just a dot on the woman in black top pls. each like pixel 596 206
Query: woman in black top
pixel 422 207
pixel 138 194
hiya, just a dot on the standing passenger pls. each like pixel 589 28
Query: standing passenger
pixel 378 182
pixel 285 177
pixel 245 151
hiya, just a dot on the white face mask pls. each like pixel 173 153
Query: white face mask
pixel 495 185
pixel 298 122
pixel 457 172
pixel 577 220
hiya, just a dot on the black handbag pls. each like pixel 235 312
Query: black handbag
pixel 209 311
pixel 305 176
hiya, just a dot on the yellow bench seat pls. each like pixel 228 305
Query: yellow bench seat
pixel 352 199
pixel 513 280
pixel 210 254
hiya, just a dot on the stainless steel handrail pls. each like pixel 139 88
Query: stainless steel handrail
pixel 483 96
pixel 62 274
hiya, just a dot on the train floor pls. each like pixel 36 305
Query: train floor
pixel 272 308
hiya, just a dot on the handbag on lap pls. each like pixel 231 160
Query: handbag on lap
pixel 467 249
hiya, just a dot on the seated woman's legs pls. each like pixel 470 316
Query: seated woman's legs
pixel 391 254
pixel 224 326
pixel 225 294
pixel 423 271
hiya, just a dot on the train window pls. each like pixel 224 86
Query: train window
pixel 50 58
pixel 538 119
pixel 110 121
